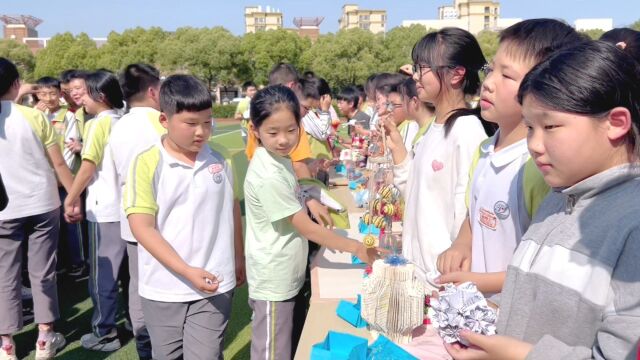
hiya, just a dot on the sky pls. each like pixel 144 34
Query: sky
pixel 99 17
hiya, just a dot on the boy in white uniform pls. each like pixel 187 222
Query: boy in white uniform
pixel 135 132
pixel 506 188
pixel 181 209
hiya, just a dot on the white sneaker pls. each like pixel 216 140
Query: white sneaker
pixel 46 350
pixel 108 343
pixel 8 352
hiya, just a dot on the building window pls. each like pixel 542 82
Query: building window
pixel 365 26
pixel 259 20
pixel 261 28
pixel 364 18
pixel 487 22
pixel 487 10
pixel 384 18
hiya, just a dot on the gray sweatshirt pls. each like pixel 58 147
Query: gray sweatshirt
pixel 573 286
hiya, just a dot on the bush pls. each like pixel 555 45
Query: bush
pixel 224 111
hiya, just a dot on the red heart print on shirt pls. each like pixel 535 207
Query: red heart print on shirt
pixel 436 165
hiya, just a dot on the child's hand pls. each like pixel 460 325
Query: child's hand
pixel 488 347
pixel 202 280
pixel 72 210
pixel 241 275
pixel 74 145
pixel 393 137
pixel 320 213
pixel 369 255
pixel 456 277
pixel 325 102
pixel 41 106
pixel 455 258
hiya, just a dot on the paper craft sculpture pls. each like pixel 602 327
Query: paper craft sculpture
pixel 340 346
pixel 350 312
pixel 393 301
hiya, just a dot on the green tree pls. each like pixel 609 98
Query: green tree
pixel 132 46
pixel 262 50
pixel 64 51
pixel 210 54
pixel 20 55
pixel 345 58
pixel 594 34
pixel 399 42
pixel 635 25
pixel 488 41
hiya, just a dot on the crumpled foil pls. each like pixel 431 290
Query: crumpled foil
pixel 462 307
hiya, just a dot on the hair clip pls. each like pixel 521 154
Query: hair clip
pixel 621 45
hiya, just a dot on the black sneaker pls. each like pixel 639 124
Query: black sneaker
pixel 79 272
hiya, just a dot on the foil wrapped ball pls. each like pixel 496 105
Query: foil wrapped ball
pixel 388 210
pixel 379 222
pixel 367 219
pixel 369 241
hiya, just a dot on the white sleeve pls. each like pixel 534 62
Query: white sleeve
pixel 467 139
pixel 401 173
pixel 412 130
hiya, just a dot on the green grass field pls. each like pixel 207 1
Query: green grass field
pixel 76 308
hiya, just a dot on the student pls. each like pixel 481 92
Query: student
pixel 30 161
pixel 249 88
pixel 65 88
pixel 505 187
pixel 421 112
pixel 136 131
pixel 285 74
pixel 102 99
pixel 277 224
pixel 348 103
pixel 317 122
pixel 181 209
pixel 573 285
pixel 434 180
pixel 395 107
pixel 65 126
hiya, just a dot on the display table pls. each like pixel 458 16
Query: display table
pixel 333 278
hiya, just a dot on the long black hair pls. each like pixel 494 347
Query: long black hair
pixel 589 79
pixel 449 48
pixel 8 76
pixel 624 38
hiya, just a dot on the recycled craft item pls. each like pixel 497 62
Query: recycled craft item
pixel 462 307
pixel 393 300
pixel 369 241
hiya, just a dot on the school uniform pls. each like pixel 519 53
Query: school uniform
pixel 66 128
pixel 132 134
pixel 500 203
pixel 276 254
pixel 106 248
pixel 193 207
pixel 32 214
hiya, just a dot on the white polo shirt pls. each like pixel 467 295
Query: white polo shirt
pixel 496 212
pixel 193 207
pixel 103 192
pixel 135 132
pixel 29 179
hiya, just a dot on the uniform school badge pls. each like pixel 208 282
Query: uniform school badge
pixel 216 171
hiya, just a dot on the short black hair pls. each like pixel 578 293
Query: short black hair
pixel 314 88
pixel 248 84
pixel 534 40
pixel 136 79
pixel 388 83
pixel 8 76
pixel 350 94
pixel 180 93
pixel 282 74
pixel 630 38
pixel 48 82
pixel 269 100
pixel 106 84
pixel 67 75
